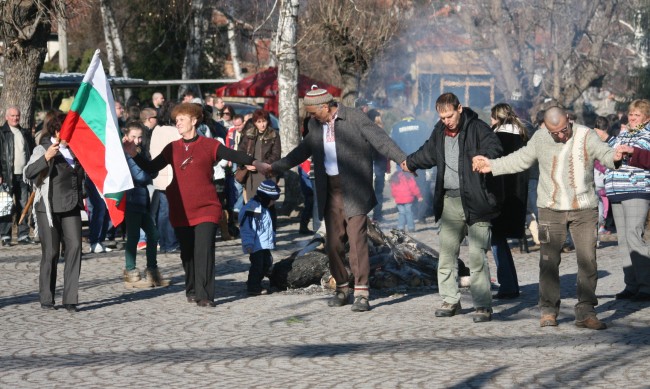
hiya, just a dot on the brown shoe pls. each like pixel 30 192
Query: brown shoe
pixel 592 323
pixel 132 280
pixel 206 303
pixel 548 320
pixel 155 278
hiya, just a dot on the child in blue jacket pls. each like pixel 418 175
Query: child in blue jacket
pixel 257 235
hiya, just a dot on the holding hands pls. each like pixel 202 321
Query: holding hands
pixel 262 167
pixel 621 151
pixel 481 164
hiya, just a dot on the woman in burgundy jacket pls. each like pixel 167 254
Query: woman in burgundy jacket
pixel 194 208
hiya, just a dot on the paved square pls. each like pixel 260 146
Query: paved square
pixel 154 338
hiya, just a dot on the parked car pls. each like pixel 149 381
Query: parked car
pixel 243 109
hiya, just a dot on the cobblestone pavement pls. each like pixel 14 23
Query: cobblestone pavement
pixel 154 338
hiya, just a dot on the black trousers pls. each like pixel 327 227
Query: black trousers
pixel 261 262
pixel 197 254
pixel 66 228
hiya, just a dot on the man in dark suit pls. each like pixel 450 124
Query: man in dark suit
pixel 341 142
pixel 16 145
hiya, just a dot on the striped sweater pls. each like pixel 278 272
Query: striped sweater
pixel 628 182
pixel 566 170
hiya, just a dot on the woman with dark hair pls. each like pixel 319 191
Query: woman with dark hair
pixel 58 181
pixel 194 208
pixel 512 220
pixel 227 115
pixel 262 142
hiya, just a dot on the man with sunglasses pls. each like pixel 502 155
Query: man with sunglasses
pixel 566 198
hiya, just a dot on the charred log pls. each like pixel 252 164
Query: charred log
pixel 299 271
pixel 395 259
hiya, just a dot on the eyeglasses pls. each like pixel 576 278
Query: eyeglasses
pixel 227 113
pixel 564 131
pixel 186 162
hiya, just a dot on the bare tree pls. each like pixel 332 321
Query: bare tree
pixel 350 33
pixel 24 29
pixel 232 40
pixel 195 41
pixel 110 52
pixel 541 49
pixel 288 90
pixel 114 47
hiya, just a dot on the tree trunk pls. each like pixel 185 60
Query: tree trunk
pixel 110 53
pixel 232 44
pixel 288 95
pixel 350 84
pixel 119 51
pixel 24 30
pixel 62 28
pixel 194 46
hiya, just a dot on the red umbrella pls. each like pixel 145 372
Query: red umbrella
pixel 265 84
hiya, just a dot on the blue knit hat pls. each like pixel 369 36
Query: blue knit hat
pixel 269 189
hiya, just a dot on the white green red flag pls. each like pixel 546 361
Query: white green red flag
pixel 92 132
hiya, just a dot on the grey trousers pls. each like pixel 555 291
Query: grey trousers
pixel 66 228
pixel 453 229
pixel 630 217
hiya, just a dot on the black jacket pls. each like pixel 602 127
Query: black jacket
pixel 476 192
pixel 511 223
pixel 7 150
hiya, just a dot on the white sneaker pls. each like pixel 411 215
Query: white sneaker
pixel 98 248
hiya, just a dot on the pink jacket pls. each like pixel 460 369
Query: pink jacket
pixel 404 188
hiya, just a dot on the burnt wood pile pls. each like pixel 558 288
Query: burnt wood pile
pixel 396 259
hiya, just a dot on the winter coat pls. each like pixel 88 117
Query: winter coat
pixel 511 223
pixel 137 199
pixel 629 182
pixel 404 188
pixel 256 227
pixel 7 151
pixel 356 139
pixel 265 147
pixel 476 190
pixel 59 186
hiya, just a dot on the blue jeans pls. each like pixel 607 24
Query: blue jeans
pixel 506 272
pixel 405 217
pixel 308 193
pixel 98 215
pixel 380 183
pixel 167 236
pixel 239 202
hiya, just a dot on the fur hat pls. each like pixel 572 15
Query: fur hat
pixel 317 96
pixel 269 189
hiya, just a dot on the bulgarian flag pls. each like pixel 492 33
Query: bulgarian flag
pixel 91 130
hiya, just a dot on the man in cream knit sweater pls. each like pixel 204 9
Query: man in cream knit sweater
pixel 566 198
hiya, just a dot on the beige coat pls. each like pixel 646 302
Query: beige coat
pixel 160 137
